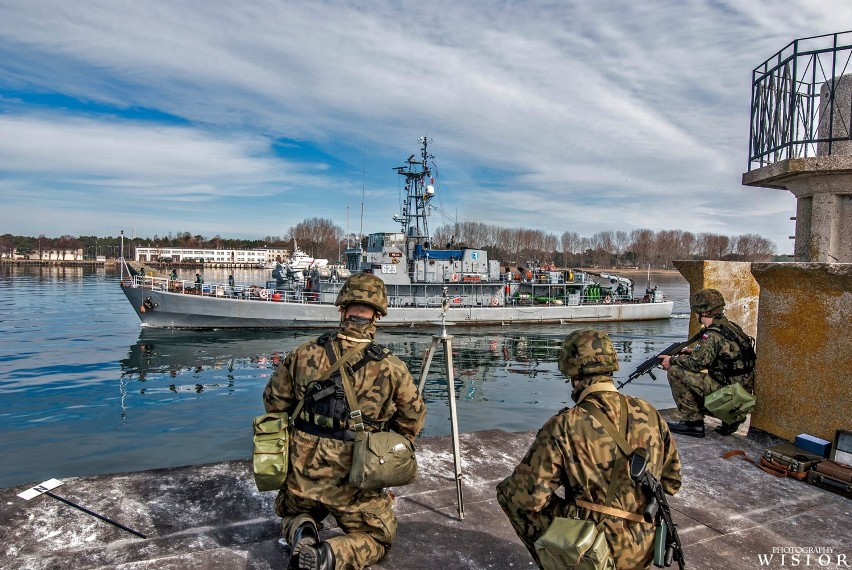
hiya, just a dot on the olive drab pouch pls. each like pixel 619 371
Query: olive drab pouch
pixel 271 453
pixel 731 403
pixel 382 459
pixel 574 544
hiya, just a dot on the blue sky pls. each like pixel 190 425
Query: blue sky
pixel 244 118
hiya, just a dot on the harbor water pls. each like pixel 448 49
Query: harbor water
pixel 85 390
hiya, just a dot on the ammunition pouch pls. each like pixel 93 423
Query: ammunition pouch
pixel 320 431
pixel 575 544
pixel 270 457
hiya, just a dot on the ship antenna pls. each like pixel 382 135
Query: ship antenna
pixel 363 178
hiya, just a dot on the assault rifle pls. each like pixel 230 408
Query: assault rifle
pixel 667 545
pixel 648 366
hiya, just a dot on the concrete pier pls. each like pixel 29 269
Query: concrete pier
pixel 730 514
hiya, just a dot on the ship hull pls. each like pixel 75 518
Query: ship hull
pixel 163 309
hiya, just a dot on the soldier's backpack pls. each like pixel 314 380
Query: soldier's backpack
pixel 746 343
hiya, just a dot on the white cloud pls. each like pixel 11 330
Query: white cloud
pixel 533 106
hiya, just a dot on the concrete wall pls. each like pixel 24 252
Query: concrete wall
pixel 734 280
pixel 804 349
pixel 801 317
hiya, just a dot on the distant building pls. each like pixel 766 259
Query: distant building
pixel 50 255
pixel 211 256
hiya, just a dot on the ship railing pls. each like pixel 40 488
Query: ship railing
pixel 239 292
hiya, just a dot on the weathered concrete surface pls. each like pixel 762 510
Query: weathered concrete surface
pixel 804 356
pixel 211 516
pixel 734 280
pixel 822 186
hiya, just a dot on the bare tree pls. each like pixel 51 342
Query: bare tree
pixel 752 247
pixel 642 245
pixel 713 246
pixel 319 237
pixel 621 243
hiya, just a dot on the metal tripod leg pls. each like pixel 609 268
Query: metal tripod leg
pixel 446 341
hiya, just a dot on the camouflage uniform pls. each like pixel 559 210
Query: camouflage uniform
pixel 695 375
pixel 572 450
pixel 319 466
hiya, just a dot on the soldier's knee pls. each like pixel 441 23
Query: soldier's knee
pixel 382 527
pixel 675 375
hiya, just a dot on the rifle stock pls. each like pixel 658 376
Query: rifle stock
pixel 648 366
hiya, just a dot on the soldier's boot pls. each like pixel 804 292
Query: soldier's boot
pixel 728 429
pixel 304 534
pixel 693 428
pixel 318 556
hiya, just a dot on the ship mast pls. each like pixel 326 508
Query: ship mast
pixel 418 191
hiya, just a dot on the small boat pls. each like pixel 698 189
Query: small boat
pixel 423 283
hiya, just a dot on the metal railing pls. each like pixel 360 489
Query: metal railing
pixel 795 111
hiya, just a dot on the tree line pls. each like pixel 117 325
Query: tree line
pixel 321 238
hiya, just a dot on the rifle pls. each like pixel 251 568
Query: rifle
pixel 648 366
pixel 667 545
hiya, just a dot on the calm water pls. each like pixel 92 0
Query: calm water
pixel 85 390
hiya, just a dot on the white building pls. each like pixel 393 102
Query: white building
pixel 211 256
pixel 50 255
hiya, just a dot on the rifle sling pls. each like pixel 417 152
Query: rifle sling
pixel 618 435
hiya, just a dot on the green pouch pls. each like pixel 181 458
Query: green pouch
pixel 271 454
pixel 731 404
pixel 574 543
pixel 382 459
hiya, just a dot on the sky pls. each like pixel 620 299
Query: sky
pixel 242 119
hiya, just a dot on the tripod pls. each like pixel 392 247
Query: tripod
pixel 446 342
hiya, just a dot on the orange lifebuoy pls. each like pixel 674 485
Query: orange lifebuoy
pixel 264 294
pixel 494 301
pixel 607 300
pixel 454 277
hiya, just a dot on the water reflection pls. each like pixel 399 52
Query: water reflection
pixel 506 377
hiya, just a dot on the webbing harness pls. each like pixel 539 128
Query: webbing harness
pixel 327 410
pixel 619 435
pixel 736 335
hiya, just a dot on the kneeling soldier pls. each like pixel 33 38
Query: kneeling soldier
pixel 575 451
pixel 321 446
pixel 722 356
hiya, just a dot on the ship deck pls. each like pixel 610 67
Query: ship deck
pixel 729 513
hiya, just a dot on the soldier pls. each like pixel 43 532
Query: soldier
pixel 321 445
pixel 572 450
pixel 723 355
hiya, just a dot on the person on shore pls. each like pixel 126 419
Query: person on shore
pixel 572 451
pixel 723 355
pixel 322 441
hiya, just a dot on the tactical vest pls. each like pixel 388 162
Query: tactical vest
pixel 741 364
pixel 326 412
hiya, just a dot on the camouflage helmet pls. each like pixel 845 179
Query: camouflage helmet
pixel 706 301
pixel 366 289
pixel 586 352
